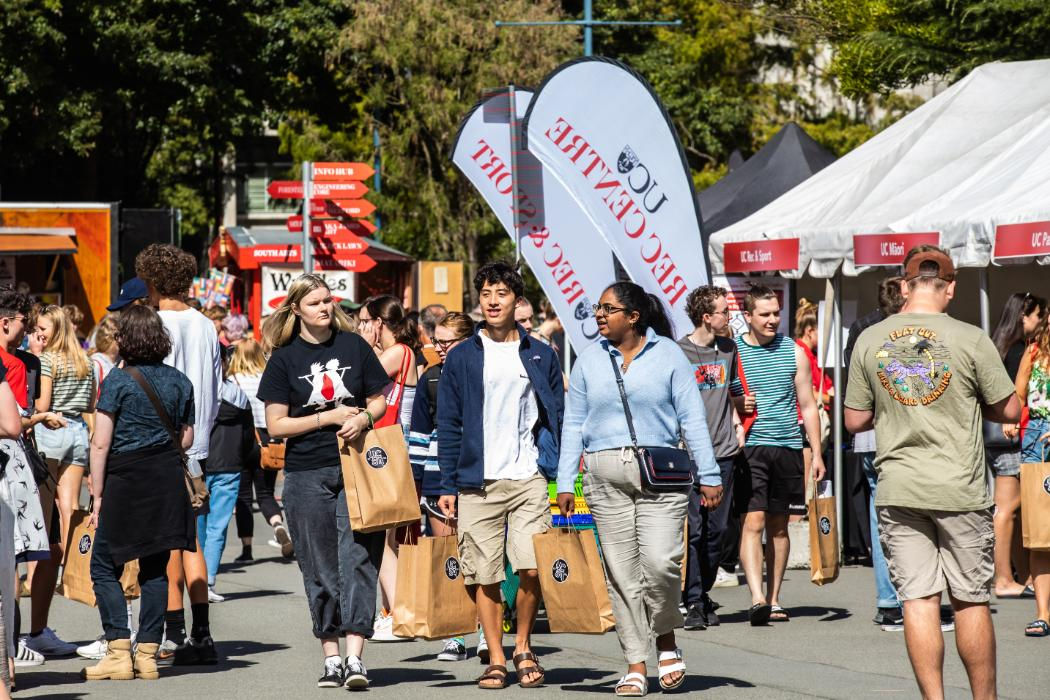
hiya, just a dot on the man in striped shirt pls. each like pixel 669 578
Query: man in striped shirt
pixel 779 382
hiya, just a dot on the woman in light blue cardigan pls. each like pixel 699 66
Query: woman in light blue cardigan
pixel 640 529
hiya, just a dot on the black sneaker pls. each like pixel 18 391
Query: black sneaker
pixel 355 675
pixel 695 618
pixel 710 616
pixel 947 619
pixel 196 652
pixel 889 619
pixel 245 556
pixel 333 675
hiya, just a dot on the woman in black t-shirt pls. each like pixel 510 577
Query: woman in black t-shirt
pixel 323 382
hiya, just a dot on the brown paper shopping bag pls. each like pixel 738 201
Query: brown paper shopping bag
pixel 431 601
pixel 1035 505
pixel 573 582
pixel 76 566
pixel 380 492
pixel 823 539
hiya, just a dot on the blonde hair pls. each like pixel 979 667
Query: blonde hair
pixel 64 346
pixel 106 334
pixel 805 316
pixel 248 358
pixel 283 324
pixel 76 316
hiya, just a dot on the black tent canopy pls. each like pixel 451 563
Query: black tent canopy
pixel 787 159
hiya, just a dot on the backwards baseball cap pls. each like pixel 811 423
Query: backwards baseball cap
pixel 134 288
pixel 945 267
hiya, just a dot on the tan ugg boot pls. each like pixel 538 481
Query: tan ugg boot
pixel 146 661
pixel 115 665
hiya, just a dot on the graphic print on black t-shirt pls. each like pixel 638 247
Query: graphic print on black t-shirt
pixel 326 384
pixel 311 378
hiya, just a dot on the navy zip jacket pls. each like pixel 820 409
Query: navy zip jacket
pixel 461 403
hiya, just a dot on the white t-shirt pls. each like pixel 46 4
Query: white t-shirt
pixel 249 383
pixel 195 353
pixel 510 402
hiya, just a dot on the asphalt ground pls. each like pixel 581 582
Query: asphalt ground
pixel 830 649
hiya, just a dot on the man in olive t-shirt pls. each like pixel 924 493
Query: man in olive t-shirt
pixel 925 379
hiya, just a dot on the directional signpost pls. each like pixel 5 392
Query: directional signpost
pixel 333 215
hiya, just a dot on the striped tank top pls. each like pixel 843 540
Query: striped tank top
pixel 770 372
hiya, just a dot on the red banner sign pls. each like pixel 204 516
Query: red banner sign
pixel 332 227
pixel 1021 240
pixel 356 263
pixel 342 172
pixel 340 245
pixel 889 248
pixel 275 254
pixel 762 256
pixel 293 189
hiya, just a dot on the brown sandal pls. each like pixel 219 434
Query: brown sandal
pixel 494 673
pixel 534 667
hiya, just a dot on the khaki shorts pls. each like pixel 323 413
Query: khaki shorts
pixel 930 550
pixel 500 519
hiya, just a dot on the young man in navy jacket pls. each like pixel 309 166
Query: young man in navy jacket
pixel 500 406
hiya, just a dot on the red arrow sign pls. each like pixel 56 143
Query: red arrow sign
pixel 293 189
pixel 356 263
pixel 332 227
pixel 342 172
pixel 340 245
pixel 357 208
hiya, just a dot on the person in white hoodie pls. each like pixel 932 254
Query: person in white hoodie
pixel 168 273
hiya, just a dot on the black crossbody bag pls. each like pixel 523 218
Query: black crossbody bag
pixel 662 468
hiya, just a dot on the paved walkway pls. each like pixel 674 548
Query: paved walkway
pixel 830 649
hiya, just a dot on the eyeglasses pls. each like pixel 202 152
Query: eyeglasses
pixel 446 344
pixel 720 313
pixel 606 309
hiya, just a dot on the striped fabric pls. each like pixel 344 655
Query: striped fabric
pixel 69 395
pixel 770 372
pixel 423 455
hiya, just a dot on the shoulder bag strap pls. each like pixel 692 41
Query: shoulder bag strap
pixel 162 412
pixel 623 400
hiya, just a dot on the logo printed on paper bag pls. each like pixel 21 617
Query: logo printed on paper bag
pixel 825 525
pixel 376 457
pixel 452 568
pixel 560 570
pixel 85 544
pixel 1046 484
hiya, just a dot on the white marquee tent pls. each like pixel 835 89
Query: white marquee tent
pixel 943 167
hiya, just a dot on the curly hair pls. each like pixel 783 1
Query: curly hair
pixel 167 269
pixel 142 337
pixel 702 301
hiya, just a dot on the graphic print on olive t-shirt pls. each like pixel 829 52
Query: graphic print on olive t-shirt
pixel 914 366
pixel 326 383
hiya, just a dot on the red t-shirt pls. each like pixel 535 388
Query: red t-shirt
pixel 16 377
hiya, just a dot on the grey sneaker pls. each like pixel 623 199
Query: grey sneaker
pixel 166 653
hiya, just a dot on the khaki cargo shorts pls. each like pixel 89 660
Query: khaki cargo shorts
pixel 930 550
pixel 500 519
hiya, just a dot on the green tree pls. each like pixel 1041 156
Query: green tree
pixel 417 67
pixel 881 45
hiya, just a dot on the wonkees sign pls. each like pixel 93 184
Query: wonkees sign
pixel 600 130
pixel 276 280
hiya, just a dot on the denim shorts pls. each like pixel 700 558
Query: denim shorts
pixel 1031 448
pixel 1003 462
pixel 68 445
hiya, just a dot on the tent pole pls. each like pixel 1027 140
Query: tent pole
pixel 986 321
pixel 836 424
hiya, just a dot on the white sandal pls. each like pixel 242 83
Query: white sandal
pixel 679 665
pixel 635 681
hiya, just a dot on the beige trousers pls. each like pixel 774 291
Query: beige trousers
pixel 641 539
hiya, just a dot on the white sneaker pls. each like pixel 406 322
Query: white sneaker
pixel 97 649
pixel 166 653
pixel 383 629
pixel 724 579
pixel 214 597
pixel 454 650
pixel 483 648
pixel 48 644
pixel 26 656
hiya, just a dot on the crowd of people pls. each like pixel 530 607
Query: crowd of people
pixel 181 420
